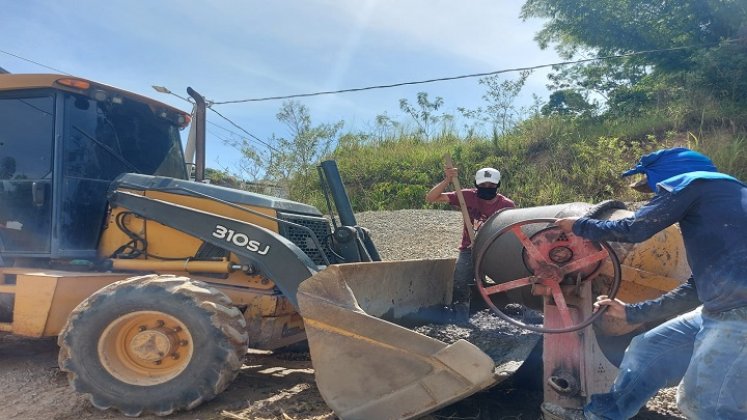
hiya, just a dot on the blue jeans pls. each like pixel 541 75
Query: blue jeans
pixel 715 384
pixel 706 352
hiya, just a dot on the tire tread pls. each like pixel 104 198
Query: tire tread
pixel 226 319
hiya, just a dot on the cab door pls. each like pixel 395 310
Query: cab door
pixel 27 133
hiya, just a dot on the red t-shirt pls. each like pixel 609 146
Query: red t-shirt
pixel 479 210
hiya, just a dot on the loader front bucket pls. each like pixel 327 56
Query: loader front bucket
pixel 367 365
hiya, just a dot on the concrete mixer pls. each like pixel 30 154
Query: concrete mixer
pixel 369 362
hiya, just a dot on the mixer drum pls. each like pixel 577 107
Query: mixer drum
pixel 503 260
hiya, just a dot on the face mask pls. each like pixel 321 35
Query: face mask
pixel 487 193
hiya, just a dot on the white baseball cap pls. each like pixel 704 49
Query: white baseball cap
pixel 491 175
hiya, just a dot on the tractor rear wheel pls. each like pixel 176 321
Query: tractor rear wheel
pixel 153 344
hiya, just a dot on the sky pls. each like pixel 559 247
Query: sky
pixel 239 49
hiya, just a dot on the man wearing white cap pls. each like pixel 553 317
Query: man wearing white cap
pixel 482 202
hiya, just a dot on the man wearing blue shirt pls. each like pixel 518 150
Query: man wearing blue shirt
pixel 704 349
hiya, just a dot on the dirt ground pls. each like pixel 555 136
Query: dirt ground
pixel 281 386
pixel 269 387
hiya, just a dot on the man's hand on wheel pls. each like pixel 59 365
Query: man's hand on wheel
pixel 614 320
pixel 615 307
pixel 566 224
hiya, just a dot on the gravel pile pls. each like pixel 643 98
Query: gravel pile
pixel 503 342
pixel 414 234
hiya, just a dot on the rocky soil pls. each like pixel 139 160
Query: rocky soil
pixel 281 385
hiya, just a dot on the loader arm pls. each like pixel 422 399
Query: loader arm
pixel 270 254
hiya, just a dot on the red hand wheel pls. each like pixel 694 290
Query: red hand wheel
pixel 560 263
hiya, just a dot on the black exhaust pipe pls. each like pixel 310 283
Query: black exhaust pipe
pixel 199 122
pixel 339 195
pixel 355 241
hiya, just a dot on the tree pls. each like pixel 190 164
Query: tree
pixel 424 114
pixel 567 102
pixel 222 178
pixel 250 168
pixel 692 33
pixel 386 127
pixel 293 159
pixel 501 111
pixel 617 26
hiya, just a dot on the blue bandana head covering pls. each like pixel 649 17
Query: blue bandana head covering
pixel 667 163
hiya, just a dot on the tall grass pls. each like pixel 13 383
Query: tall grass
pixel 544 160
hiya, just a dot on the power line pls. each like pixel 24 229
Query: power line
pixel 386 86
pixel 180 97
pixel 226 141
pixel 465 76
pixel 224 129
pixel 246 132
pixel 34 62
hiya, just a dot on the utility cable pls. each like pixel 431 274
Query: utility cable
pixel 180 97
pixel 224 129
pixel 225 141
pixel 229 131
pixel 466 76
pixel 386 86
pixel 246 132
pixel 34 62
pixel 228 142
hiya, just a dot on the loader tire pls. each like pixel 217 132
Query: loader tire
pixel 153 344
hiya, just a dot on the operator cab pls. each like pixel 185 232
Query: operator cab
pixel 62 141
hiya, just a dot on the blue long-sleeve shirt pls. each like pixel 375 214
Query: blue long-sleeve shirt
pixel 713 219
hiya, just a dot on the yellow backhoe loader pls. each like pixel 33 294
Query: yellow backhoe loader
pixel 156 284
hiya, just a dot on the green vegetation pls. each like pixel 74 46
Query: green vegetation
pixel 544 160
pixel 600 117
